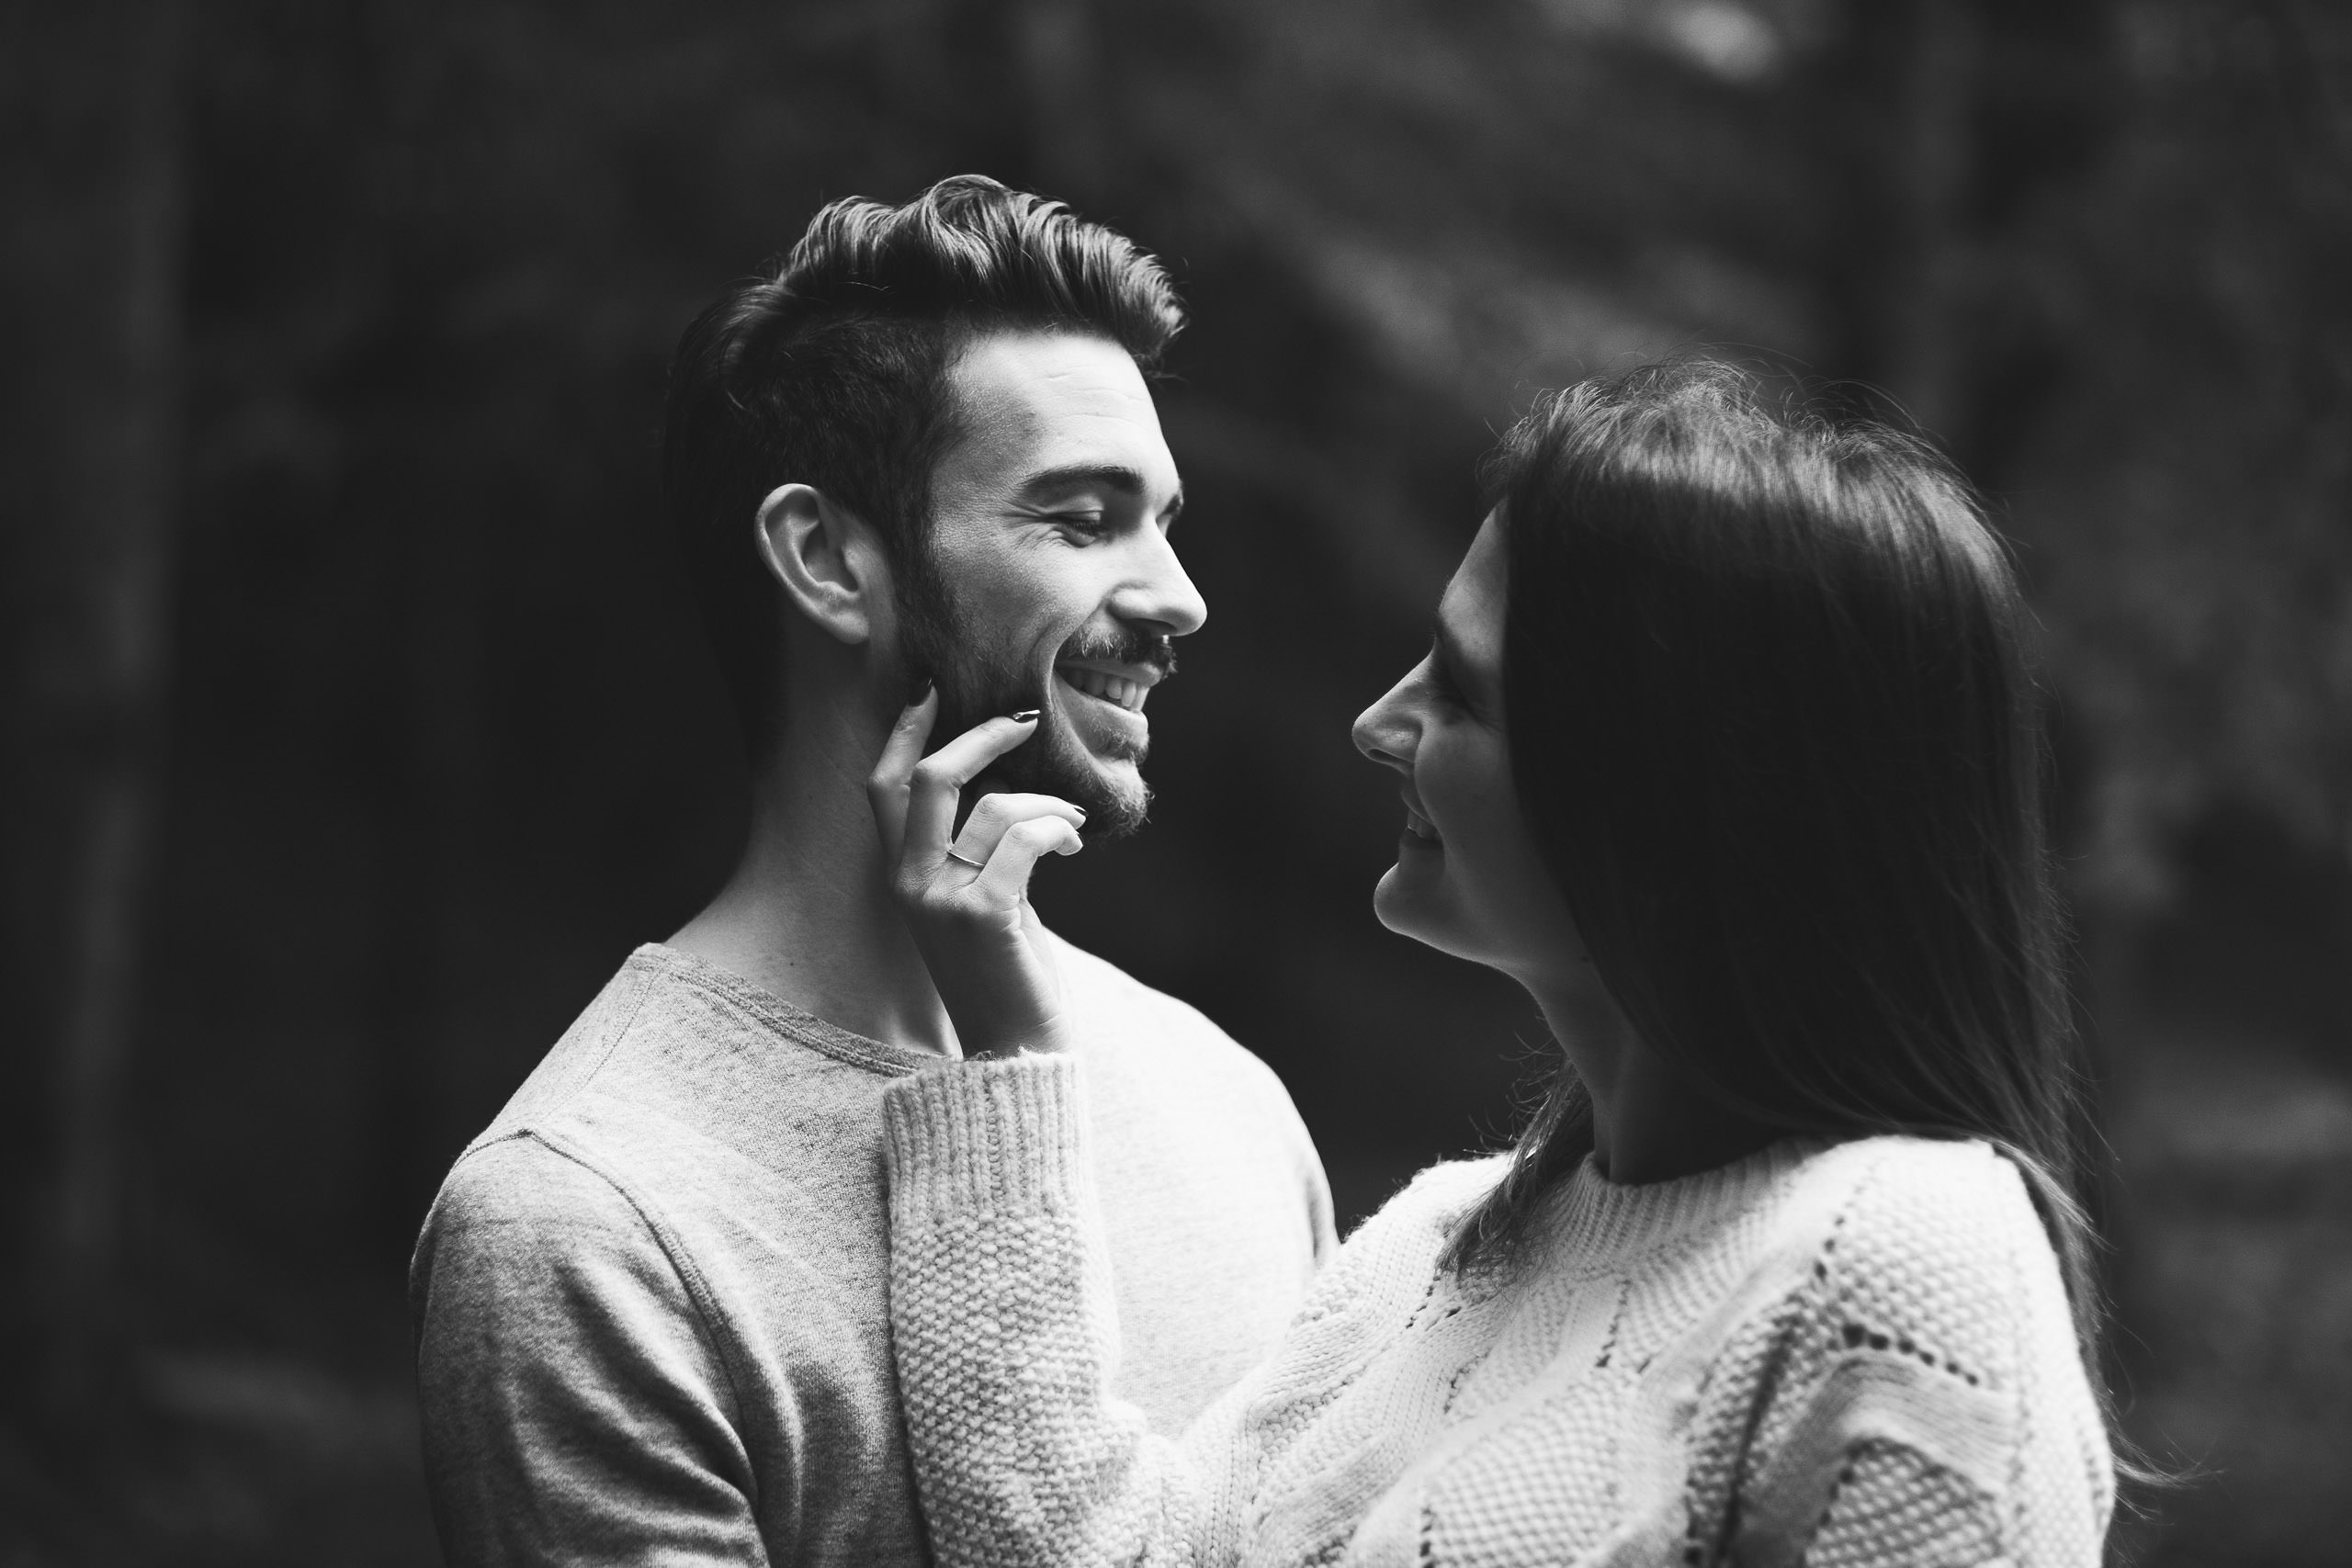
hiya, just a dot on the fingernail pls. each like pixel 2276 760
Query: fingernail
pixel 1024 716
pixel 921 692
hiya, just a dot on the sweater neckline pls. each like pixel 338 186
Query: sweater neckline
pixel 1610 1224
pixel 780 1017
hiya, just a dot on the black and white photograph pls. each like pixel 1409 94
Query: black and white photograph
pixel 1195 783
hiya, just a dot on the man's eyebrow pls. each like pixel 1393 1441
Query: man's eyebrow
pixel 1114 477
pixel 1083 476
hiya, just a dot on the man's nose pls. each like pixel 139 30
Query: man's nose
pixel 1161 592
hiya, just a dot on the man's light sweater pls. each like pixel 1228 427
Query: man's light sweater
pixel 650 1300
pixel 1848 1355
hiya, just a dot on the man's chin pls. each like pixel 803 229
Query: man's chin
pixel 1111 791
pixel 1117 800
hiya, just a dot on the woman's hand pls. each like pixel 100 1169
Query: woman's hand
pixel 966 901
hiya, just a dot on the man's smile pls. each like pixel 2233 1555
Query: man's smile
pixel 1101 701
pixel 1121 685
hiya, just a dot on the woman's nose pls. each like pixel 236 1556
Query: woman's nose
pixel 1385 731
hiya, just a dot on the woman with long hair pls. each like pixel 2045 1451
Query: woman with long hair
pixel 1727 750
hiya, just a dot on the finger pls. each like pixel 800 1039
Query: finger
pixel 1006 879
pixel 885 787
pixel 1000 810
pixel 939 779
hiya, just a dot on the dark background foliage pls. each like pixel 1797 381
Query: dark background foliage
pixel 355 727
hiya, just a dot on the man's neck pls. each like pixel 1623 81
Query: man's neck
pixel 807 914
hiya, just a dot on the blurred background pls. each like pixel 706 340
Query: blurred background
pixel 356 726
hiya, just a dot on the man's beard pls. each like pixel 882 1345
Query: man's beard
pixel 978 682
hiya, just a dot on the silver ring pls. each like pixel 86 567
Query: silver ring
pixel 966 860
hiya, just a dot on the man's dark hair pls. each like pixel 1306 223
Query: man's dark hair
pixel 830 369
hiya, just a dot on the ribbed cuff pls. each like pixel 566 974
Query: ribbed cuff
pixel 994 1137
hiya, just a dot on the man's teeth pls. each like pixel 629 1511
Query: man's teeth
pixel 1128 694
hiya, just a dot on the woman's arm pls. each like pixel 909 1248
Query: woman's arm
pixel 1000 1304
pixel 1007 1339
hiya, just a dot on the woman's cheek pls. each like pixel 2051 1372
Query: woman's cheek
pixel 1499 875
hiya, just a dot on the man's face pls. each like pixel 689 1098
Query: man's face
pixel 1056 586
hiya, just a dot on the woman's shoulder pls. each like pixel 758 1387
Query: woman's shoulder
pixel 1936 1199
pixel 1400 1246
pixel 1929 1249
pixel 1918 1336
pixel 1437 1197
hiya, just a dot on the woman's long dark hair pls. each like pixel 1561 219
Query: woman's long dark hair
pixel 1774 727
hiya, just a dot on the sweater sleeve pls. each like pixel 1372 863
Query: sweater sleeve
pixel 1005 1333
pixel 574 1408
pixel 1927 1402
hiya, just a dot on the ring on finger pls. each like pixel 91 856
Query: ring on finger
pixel 967 860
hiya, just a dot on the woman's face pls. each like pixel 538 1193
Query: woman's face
pixel 1468 879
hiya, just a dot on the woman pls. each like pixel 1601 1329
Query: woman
pixel 1726 751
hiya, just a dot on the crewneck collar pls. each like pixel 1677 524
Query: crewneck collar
pixel 771 1011
pixel 1607 1224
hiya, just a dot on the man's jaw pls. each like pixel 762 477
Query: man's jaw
pixel 1093 738
pixel 1056 762
pixel 1076 752
pixel 1095 732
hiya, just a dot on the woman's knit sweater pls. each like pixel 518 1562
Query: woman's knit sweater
pixel 1858 1354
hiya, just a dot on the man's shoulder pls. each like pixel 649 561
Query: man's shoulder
pixel 674 1050
pixel 671 1127
pixel 519 1215
pixel 1155 1061
pixel 1116 997
pixel 1127 1015
pixel 622 1025
pixel 523 1184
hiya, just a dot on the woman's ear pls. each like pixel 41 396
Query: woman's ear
pixel 828 561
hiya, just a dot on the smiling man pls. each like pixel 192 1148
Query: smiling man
pixel 650 1301
pixel 1054 510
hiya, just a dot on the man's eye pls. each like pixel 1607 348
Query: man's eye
pixel 1082 521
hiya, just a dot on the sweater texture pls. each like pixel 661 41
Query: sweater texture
pixel 1847 1355
pixel 650 1302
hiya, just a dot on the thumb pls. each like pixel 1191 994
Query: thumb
pixel 1004 881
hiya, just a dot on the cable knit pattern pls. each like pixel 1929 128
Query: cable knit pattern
pixel 1855 1356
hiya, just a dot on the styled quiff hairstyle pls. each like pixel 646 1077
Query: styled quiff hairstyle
pixel 829 369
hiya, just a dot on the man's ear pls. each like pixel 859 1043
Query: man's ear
pixel 828 561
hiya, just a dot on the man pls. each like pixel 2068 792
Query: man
pixel 650 1301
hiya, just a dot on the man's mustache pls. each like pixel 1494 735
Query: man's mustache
pixel 1127 645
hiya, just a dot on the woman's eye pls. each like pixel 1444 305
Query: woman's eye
pixel 1447 686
